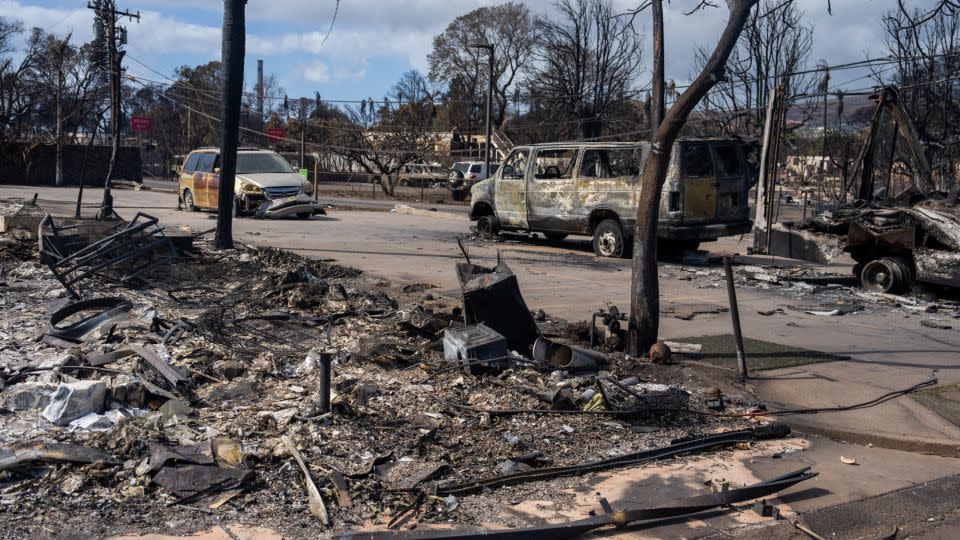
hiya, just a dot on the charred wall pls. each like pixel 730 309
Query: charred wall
pixel 33 164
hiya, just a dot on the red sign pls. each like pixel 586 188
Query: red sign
pixel 141 123
pixel 275 134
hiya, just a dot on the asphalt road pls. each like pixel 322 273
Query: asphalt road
pixel 330 194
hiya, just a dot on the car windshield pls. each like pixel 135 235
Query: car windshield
pixel 262 163
pixel 462 167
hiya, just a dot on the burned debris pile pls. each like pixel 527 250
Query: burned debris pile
pixel 256 385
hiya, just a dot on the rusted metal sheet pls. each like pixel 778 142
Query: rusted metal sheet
pixel 902 238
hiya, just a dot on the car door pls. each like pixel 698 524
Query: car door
pixel 732 181
pixel 699 181
pixel 186 175
pixel 608 180
pixel 201 179
pixel 213 185
pixel 551 190
pixel 510 190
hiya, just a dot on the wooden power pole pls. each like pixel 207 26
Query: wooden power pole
pixel 113 38
pixel 234 45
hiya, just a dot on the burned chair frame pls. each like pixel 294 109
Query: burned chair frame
pixel 127 252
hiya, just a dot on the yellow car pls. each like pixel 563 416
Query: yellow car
pixel 266 185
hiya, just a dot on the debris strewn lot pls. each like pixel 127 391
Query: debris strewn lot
pixel 169 402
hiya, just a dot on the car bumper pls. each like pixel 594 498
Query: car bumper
pixel 703 232
pixel 289 206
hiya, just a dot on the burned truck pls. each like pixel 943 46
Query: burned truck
pixel 592 189
pixel 895 245
pixel 903 231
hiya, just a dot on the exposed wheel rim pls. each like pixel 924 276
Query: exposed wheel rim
pixel 607 243
pixel 882 276
pixel 188 200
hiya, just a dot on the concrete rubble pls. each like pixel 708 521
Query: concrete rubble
pixel 71 401
pixel 220 356
pixel 304 395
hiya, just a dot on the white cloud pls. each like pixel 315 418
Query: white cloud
pixel 318 72
pixel 404 29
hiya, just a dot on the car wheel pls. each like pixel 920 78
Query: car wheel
pixel 608 240
pixel 555 236
pixel 487 226
pixel 188 203
pixel 304 215
pixel 237 208
pixel 886 275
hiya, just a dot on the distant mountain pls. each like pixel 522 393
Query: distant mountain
pixel 854 114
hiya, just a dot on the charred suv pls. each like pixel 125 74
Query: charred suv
pixel 592 189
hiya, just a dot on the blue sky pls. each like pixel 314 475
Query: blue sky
pixel 374 41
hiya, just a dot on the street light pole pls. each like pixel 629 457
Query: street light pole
pixel 486 144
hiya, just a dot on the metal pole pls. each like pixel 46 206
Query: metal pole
pixel 735 316
pixel 324 383
pixel 486 150
pixel 260 93
pixel 891 158
pixel 234 44
pixel 486 143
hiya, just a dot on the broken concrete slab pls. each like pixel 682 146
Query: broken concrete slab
pixel 73 400
pixel 27 396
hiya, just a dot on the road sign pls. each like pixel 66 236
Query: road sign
pixel 275 134
pixel 141 123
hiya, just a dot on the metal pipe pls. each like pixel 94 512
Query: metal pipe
pixel 324 386
pixel 735 316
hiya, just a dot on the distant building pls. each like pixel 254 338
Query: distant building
pixel 809 166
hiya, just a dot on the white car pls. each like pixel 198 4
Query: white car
pixel 471 172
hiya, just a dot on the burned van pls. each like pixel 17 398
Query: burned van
pixel 592 189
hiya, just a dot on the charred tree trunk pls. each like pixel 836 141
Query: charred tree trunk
pixel 645 289
pixel 234 41
pixel 657 99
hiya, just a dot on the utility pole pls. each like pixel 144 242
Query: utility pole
pixel 302 117
pixel 260 94
pixel 234 45
pixel 825 88
pixel 105 24
pixel 486 143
